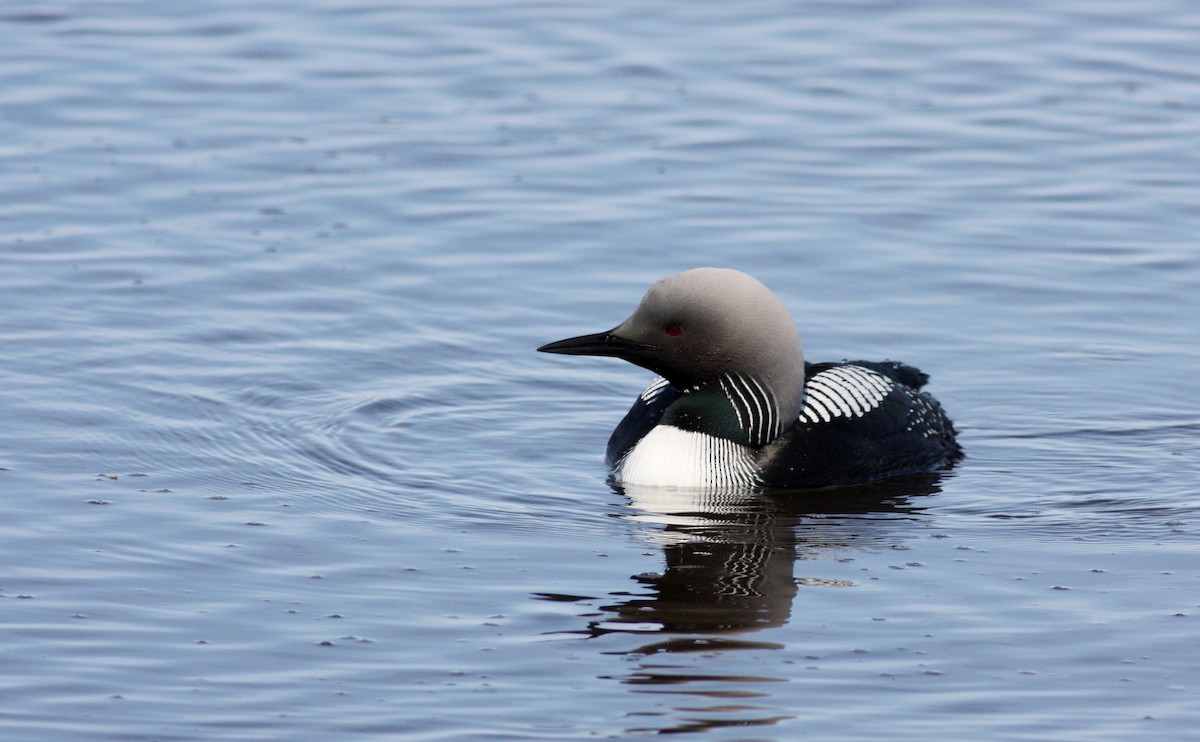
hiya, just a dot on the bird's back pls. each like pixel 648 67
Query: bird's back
pixel 862 421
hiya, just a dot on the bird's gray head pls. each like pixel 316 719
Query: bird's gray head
pixel 699 327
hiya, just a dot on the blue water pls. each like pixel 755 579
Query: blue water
pixel 279 461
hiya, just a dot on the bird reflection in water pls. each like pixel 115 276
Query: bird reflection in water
pixel 730 559
pixel 730 556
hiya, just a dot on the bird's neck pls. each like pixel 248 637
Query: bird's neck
pixel 734 406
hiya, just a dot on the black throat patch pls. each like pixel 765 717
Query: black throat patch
pixel 708 412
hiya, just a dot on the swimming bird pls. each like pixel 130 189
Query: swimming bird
pixel 736 405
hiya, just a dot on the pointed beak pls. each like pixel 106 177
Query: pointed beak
pixel 601 344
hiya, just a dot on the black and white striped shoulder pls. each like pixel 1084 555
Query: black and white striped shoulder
pixel 861 421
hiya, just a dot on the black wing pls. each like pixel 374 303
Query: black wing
pixel 647 410
pixel 862 421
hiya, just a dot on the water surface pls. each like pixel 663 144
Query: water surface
pixel 279 461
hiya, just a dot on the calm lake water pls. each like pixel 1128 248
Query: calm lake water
pixel 279 460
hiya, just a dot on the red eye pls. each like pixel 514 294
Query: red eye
pixel 674 331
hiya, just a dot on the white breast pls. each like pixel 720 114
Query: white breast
pixel 670 457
